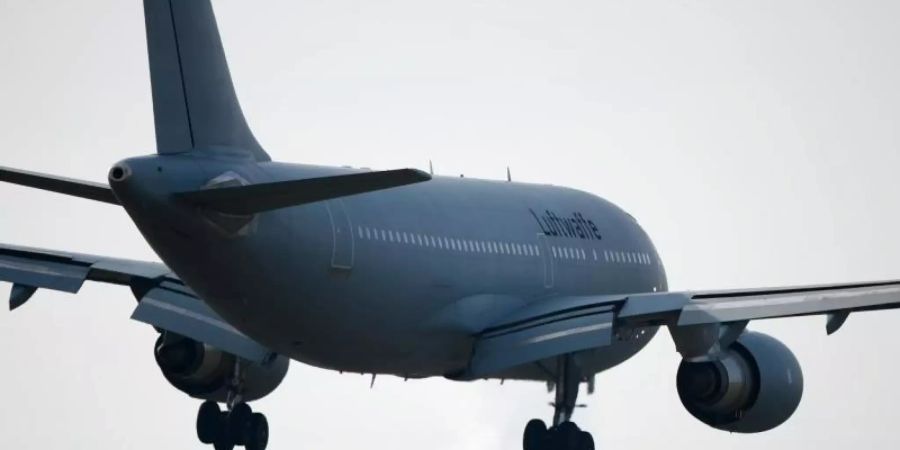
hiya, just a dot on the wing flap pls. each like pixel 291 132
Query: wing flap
pixel 43 273
pixel 520 344
pixel 720 310
pixel 169 308
pixel 566 325
pixel 163 300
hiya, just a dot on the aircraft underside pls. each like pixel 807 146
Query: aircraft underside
pixel 397 272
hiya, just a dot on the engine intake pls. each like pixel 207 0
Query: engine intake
pixel 754 386
pixel 204 372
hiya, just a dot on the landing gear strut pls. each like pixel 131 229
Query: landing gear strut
pixel 563 434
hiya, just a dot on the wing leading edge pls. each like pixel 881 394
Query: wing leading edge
pixel 163 300
pixel 699 321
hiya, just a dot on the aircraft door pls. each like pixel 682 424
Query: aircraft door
pixel 548 260
pixel 342 232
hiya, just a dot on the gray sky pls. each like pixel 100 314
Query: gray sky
pixel 757 142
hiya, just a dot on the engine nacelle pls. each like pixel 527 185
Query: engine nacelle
pixel 754 386
pixel 204 372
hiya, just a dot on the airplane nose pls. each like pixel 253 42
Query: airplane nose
pixel 119 173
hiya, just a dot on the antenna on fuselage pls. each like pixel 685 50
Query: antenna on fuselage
pixel 508 174
pixel 430 167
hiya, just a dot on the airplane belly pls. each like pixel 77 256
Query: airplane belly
pixel 590 362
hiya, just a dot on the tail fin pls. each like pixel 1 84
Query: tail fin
pixel 194 103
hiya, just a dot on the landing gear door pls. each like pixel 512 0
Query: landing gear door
pixel 547 256
pixel 342 231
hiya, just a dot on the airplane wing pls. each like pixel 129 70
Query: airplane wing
pixel 572 324
pixel 163 300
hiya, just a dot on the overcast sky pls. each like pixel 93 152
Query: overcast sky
pixel 756 142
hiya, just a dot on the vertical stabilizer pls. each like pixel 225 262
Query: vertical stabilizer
pixel 194 103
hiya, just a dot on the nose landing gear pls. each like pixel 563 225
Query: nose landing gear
pixel 564 434
pixel 227 429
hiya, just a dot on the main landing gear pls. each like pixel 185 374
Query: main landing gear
pixel 226 429
pixel 563 434
pixel 239 425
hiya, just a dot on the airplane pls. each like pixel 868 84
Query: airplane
pixel 397 272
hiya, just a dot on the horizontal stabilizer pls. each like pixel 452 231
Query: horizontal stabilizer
pixel 257 198
pixel 76 188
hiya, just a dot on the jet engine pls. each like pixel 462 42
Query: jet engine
pixel 206 373
pixel 754 386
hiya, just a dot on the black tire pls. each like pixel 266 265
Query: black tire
pixel 223 445
pixel 535 435
pixel 587 441
pixel 209 422
pixel 567 436
pixel 237 422
pixel 257 431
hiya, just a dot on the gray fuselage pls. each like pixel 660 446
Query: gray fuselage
pixel 398 281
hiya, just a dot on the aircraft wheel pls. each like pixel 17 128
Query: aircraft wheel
pixel 257 430
pixel 535 435
pixel 223 445
pixel 237 423
pixel 210 422
pixel 586 441
pixel 567 436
